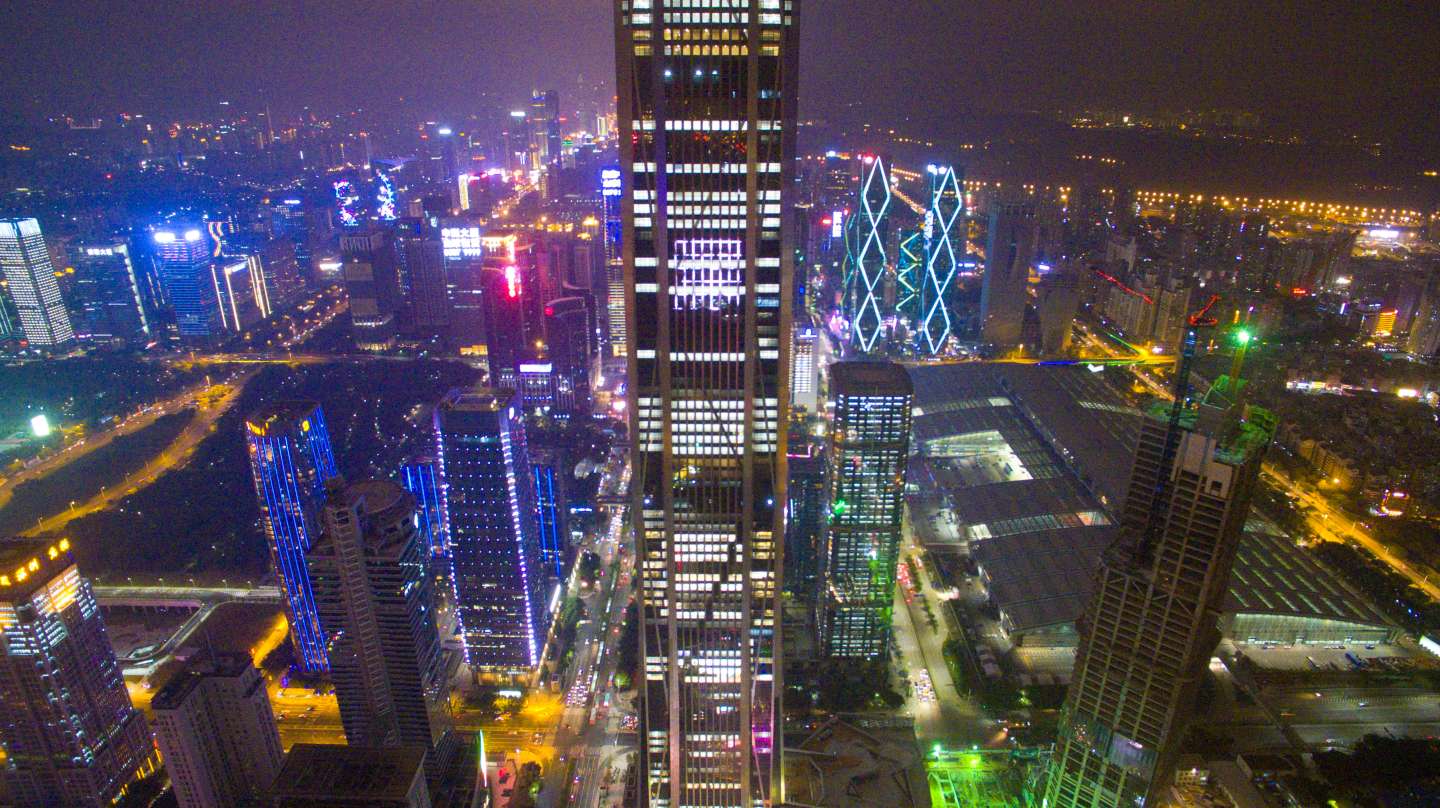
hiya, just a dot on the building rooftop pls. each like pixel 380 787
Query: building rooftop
pixel 279 417
pixel 28 564
pixel 182 684
pixel 328 772
pixel 479 399
pixel 869 377
pixel 385 504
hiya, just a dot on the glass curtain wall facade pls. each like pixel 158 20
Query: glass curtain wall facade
pixel 869 445
pixel 30 274
pixel 707 119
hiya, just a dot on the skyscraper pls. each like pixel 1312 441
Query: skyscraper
pixel 376 599
pixel 869 447
pixel 869 259
pixel 707 93
pixel 423 253
pixel 1008 253
pixel 109 290
pixel 420 476
pixel 909 276
pixel 183 262
pixel 217 733
pixel 373 286
pixel 1152 623
pixel 544 121
pixel 70 734
pixel 290 460
pixel 804 376
pixel 336 776
pixel 944 247
pixel 805 520
pixel 551 511
pixel 494 542
pixel 30 275
pixel 570 345
pixel 1424 339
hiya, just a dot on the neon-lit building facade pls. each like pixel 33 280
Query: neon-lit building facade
pixel 550 510
pixel 495 556
pixel 869 260
pixel 71 735
pixel 944 249
pixel 707 93
pixel 909 275
pixel 290 461
pixel 869 447
pixel 183 258
pixel 30 275
pixel 421 477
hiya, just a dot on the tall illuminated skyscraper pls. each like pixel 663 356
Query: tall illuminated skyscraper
pixel 869 447
pixel 1152 623
pixel 909 276
pixel 707 93
pixel 869 261
pixel 29 273
pixel 1009 250
pixel 421 477
pixel 494 542
pixel 70 733
pixel 944 247
pixel 183 260
pixel 290 461
pixel 109 290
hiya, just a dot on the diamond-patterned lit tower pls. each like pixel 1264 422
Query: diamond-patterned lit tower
pixel 944 247
pixel 865 295
pixel 909 276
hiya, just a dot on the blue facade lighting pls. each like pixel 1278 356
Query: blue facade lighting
pixel 291 460
pixel 421 477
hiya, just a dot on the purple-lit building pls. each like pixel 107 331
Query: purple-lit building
pixel 489 498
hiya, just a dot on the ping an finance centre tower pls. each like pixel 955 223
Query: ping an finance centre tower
pixel 707 127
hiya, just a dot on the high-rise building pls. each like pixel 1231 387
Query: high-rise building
pixel 373 286
pixel 376 598
pixel 869 447
pixel 335 776
pixel 291 460
pixel 70 733
pixel 1009 249
pixel 1152 622
pixel 1424 337
pixel 30 274
pixel 707 94
pixel 869 259
pixel 510 302
pixel 108 288
pixel 543 119
pixel 494 543
pixel 183 259
pixel 570 345
pixel 909 276
pixel 1058 300
pixel 420 476
pixel 804 376
pixel 217 733
pixel 805 520
pixel 551 508
pixel 944 235
pixel 423 253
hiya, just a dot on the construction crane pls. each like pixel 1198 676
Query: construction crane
pixel 1159 503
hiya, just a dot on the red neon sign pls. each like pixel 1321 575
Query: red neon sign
pixel 512 281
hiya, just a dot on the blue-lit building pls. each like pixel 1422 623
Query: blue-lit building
pixel 183 260
pixel 421 477
pixel 551 511
pixel 291 460
pixel 495 553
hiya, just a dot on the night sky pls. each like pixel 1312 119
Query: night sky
pixel 1362 66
